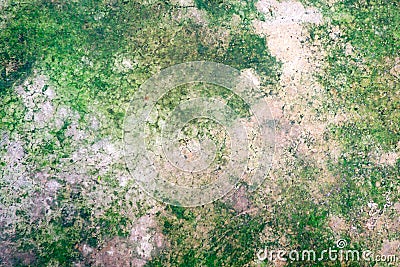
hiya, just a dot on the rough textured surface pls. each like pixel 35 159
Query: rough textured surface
pixel 68 69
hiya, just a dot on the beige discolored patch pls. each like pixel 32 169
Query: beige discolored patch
pixel 379 157
pixel 338 224
pixel 144 242
pixel 279 263
pixel 189 11
pixel 183 3
pixel 296 107
pixel 390 248
pixel 37 97
pixel 395 71
pixel 389 158
pixel 296 102
pixel 240 201
pixel 397 207
pixel 394 223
